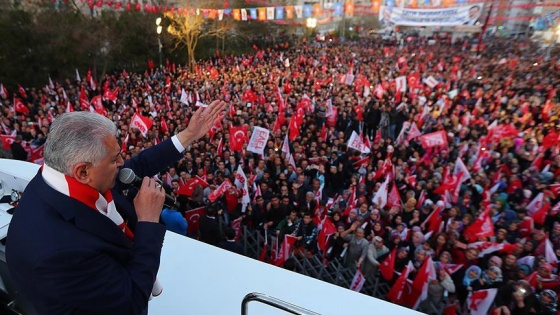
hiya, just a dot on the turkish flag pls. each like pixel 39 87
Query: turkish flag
pixel 7 141
pixel 413 81
pixel 238 137
pixel 419 286
pixel 555 188
pixel 550 140
pixel 193 219
pixel 21 91
pixel 111 95
pixel 327 229
pixel 262 256
pixel 188 188
pixel 164 128
pixel 36 155
pixel 434 220
pixel 539 216
pixel 97 104
pixel 397 292
pixel 280 120
pixel 293 128
pixel 331 119
pixel 394 198
pixel 482 227
pixel 20 107
pixel 535 204
pixel 479 302
pixel 387 267
pixel 285 250
pixel 84 101
pixel 377 136
pixel 451 183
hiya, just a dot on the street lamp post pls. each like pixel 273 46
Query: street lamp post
pixel 158 30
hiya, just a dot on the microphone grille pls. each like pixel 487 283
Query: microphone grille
pixel 126 176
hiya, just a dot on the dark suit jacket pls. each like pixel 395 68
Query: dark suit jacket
pixel 232 247
pixel 210 230
pixel 69 259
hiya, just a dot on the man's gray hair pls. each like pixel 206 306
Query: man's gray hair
pixel 77 137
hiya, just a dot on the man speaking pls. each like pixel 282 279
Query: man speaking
pixel 76 245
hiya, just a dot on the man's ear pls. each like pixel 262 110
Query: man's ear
pixel 81 172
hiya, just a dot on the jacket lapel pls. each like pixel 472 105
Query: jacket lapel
pixel 84 217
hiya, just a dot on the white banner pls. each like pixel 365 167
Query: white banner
pixel 464 15
pixel 258 141
pixel 356 143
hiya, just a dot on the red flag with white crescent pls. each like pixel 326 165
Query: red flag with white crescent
pixel 193 219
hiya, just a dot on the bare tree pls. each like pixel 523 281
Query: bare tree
pixel 188 29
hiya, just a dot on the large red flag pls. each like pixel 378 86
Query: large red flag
pixel 419 286
pixel 397 292
pixel 193 219
pixel 20 107
pixel 218 192
pixel 285 250
pixel 141 123
pixel 394 198
pixel 84 101
pixel 482 227
pixel 434 139
pixel 21 91
pixel 237 137
pixel 479 302
pixel 387 267
pixel 163 126
pixel 434 220
pixel 327 229
pixel 188 188
pixel 293 129
pixel 7 141
pixel 539 216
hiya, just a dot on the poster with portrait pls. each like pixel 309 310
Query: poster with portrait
pixel 443 16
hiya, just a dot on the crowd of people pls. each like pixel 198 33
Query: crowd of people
pixel 457 174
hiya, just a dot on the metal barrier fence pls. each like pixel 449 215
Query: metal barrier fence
pixel 332 271
pixel 314 266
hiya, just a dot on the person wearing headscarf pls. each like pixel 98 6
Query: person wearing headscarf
pixel 465 286
pixel 490 278
pixel 402 259
pixel 548 303
pixel 437 287
pixel 495 261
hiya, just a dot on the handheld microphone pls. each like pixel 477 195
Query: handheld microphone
pixel 127 177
